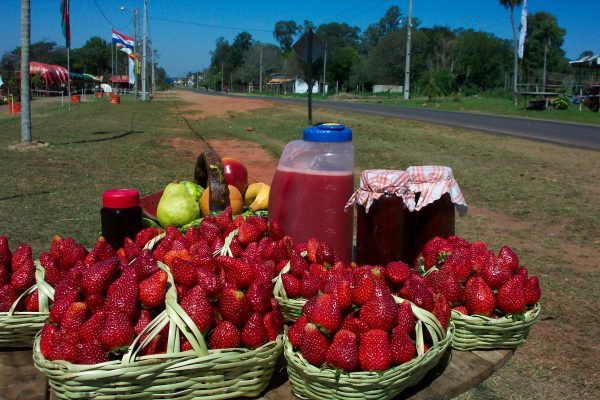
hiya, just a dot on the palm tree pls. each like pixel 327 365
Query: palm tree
pixel 25 78
pixel 511 4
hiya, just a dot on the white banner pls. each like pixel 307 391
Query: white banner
pixel 523 29
pixel 131 71
pixel 1 82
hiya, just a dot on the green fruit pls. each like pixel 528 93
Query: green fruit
pixel 193 189
pixel 176 206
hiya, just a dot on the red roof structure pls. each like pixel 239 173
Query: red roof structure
pixel 119 79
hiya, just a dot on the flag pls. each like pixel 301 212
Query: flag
pixel 123 42
pixel 523 29
pixel 65 24
pixel 131 71
pixel 1 82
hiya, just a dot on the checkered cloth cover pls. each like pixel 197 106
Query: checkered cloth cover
pixel 432 182
pixel 375 182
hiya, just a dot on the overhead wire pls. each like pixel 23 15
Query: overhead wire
pixel 108 21
pixel 209 25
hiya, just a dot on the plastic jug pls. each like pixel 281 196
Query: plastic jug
pixel 312 183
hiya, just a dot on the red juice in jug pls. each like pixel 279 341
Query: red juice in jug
pixel 310 204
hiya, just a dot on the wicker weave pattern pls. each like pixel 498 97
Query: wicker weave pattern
pixel 291 308
pixel 193 374
pixel 18 329
pixel 479 332
pixel 310 382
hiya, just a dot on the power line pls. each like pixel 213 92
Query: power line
pixel 237 28
pixel 108 20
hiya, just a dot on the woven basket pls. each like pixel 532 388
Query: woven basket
pixel 291 308
pixel 193 374
pixel 310 382
pixel 480 332
pixel 18 329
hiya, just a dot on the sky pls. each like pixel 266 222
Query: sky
pixel 184 31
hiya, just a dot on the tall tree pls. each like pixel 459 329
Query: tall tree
pixel 545 33
pixel 511 4
pixel 25 78
pixel 92 58
pixel 285 32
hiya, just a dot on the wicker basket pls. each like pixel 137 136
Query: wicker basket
pixel 291 308
pixel 197 373
pixel 484 333
pixel 310 382
pixel 18 329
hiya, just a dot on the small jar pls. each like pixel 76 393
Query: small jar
pixel 432 198
pixel 121 215
pixel 381 228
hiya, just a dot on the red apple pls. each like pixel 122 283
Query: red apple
pixel 236 174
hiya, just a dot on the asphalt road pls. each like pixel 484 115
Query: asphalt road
pixel 562 133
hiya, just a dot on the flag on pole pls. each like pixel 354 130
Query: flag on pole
pixel 1 82
pixel 131 71
pixel 65 23
pixel 123 42
pixel 523 33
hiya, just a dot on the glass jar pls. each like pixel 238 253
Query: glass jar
pixel 381 228
pixel 313 181
pixel 120 216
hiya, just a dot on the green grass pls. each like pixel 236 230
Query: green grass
pixel 539 198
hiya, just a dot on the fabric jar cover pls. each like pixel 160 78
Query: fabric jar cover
pixel 432 182
pixel 374 183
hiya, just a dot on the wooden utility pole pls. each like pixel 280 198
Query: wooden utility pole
pixel 144 33
pixel 25 78
pixel 260 77
pixel 407 66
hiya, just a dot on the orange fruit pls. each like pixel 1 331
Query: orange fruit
pixel 236 201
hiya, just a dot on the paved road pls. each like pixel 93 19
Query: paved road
pixel 563 133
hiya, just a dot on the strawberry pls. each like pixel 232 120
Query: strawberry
pixel 292 285
pixel 314 345
pixel 184 272
pixel 98 276
pixel 197 305
pixel 511 296
pixel 5 253
pixel 311 284
pixel 261 222
pixel 445 282
pixel 236 271
pixel 363 290
pixel 379 312
pixel 273 325
pixel 312 247
pixel 32 303
pixel 90 329
pixel 4 275
pixel 64 347
pixel 276 231
pixel 130 250
pixel 157 345
pixel 145 264
pixel 296 331
pixel 24 276
pixel 225 336
pixel 442 309
pixel 355 325
pixel 91 353
pixel 254 333
pixel 522 272
pixel 422 296
pixel 327 313
pixel 236 247
pixel 309 307
pixel 170 255
pixel 47 336
pixel 397 272
pixel 430 261
pixel 406 318
pixel 179 243
pixel 508 258
pixel 298 265
pixel 207 263
pixel 494 272
pixel 459 263
pixel 95 301
pixel 153 289
pixel 259 295
pixel 192 235
pixel 143 321
pixel 209 231
pixel 100 251
pixel 479 254
pixel 300 247
pixel 234 306
pixel 342 292
pixel 209 281
pixel 434 245
pixel 54 245
pixel 161 249
pixel 123 296
pixel 52 274
pixel 318 270
pixel 532 291
pixel 402 349
pixel 461 309
pixel 458 242
pixel 264 271
pixel 69 252
pixel 116 332
pixel 479 298
pixel 74 316
pixel 8 295
pixel 224 219
pixel 374 351
pixel 21 255
pixel 146 234
pixel 343 352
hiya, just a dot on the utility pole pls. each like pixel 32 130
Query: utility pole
pixel 407 66
pixel 324 70
pixel 222 77
pixel 135 51
pixel 25 78
pixel 153 77
pixel 144 33
pixel 260 77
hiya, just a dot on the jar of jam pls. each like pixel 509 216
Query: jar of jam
pixel 432 196
pixel 121 215
pixel 381 228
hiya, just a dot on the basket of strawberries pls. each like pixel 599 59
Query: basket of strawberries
pixel 495 301
pixel 172 322
pixel 24 296
pixel 362 343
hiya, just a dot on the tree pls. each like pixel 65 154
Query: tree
pixel 390 21
pixel 93 57
pixel 285 32
pixel 25 78
pixel 511 4
pixel 544 33
pixel 342 61
pixel 242 43
pixel 587 53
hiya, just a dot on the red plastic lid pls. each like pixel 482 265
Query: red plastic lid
pixel 120 198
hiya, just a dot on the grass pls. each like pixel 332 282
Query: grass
pixel 539 198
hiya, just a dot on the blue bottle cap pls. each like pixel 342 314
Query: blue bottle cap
pixel 329 132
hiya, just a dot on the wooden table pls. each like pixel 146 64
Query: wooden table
pixel 457 372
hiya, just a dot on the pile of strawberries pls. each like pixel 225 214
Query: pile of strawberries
pixel 354 329
pixel 17 274
pixel 104 299
pixel 475 280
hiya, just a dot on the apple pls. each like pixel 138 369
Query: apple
pixel 236 174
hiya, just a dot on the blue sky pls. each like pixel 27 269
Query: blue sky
pixel 186 47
